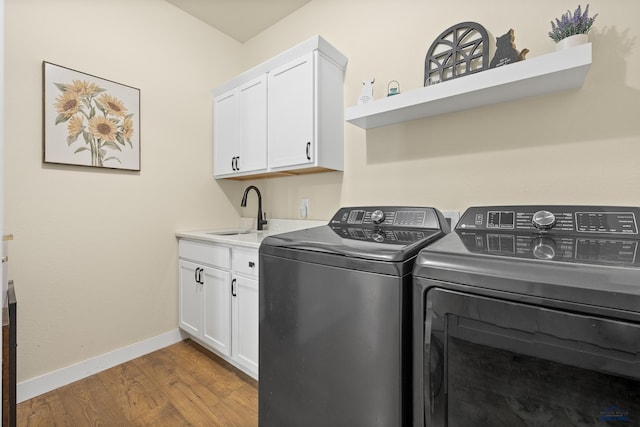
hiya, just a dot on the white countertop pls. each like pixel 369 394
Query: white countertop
pixel 248 238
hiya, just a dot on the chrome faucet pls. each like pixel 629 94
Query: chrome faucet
pixel 261 221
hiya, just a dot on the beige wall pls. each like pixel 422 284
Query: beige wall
pixel 94 257
pixel 576 147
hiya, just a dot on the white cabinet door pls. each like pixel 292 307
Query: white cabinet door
pixel 217 309
pixel 252 110
pixel 240 129
pixel 291 114
pixel 190 298
pixel 245 323
pixel 226 133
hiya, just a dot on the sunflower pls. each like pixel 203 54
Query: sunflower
pixel 112 105
pixel 75 125
pixel 82 87
pixel 127 128
pixel 67 103
pixel 103 128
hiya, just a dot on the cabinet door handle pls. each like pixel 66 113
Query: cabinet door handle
pixel 237 167
pixel 233 163
pixel 252 264
pixel 197 275
pixel 309 150
pixel 233 285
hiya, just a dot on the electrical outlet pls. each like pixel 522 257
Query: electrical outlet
pixel 304 208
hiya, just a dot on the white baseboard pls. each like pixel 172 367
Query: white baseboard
pixel 36 386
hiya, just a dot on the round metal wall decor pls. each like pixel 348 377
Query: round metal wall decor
pixel 461 49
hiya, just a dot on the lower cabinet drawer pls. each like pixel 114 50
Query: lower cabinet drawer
pixel 218 256
pixel 245 262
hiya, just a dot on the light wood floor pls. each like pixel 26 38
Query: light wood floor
pixel 180 385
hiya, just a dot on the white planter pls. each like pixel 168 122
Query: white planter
pixel 575 40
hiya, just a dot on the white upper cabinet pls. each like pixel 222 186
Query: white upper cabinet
pixel 289 115
pixel 226 133
pixel 240 129
pixel 252 104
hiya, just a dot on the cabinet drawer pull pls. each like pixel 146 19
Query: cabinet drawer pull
pixel 198 275
pixel 309 150
pixel 234 163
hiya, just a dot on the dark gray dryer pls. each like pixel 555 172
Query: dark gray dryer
pixel 530 316
pixel 335 318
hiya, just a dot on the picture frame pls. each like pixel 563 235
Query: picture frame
pixel 89 120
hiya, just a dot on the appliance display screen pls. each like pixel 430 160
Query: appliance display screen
pixel 356 217
pixel 500 219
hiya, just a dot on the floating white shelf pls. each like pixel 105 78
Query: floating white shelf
pixel 553 72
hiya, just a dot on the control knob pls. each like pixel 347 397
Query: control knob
pixel 377 216
pixel 544 220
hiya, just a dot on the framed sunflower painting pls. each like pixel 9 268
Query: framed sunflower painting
pixel 89 121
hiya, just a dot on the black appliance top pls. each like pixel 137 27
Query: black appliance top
pixel 581 254
pixel 384 234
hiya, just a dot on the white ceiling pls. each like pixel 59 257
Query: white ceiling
pixel 240 19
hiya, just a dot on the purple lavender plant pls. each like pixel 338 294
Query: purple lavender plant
pixel 571 24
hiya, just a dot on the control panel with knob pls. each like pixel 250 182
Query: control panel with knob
pixel 543 220
pixel 608 235
pixel 390 216
pixel 389 225
pixel 554 219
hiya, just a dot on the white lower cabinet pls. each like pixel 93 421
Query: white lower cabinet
pixel 204 311
pixel 216 311
pixel 218 300
pixel 245 308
